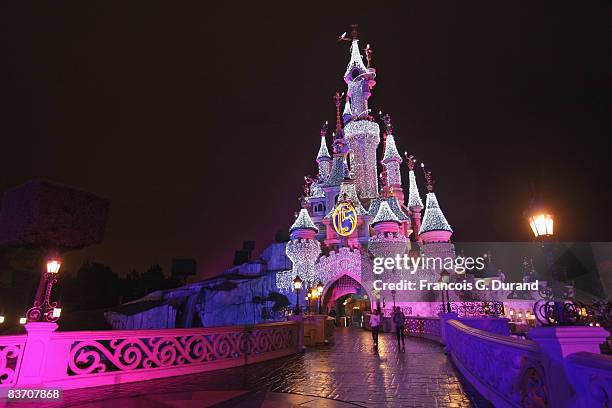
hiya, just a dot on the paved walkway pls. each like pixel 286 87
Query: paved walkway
pixel 347 374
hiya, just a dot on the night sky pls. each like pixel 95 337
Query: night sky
pixel 199 121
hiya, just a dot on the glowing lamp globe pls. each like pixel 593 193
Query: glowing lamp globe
pixel 57 311
pixel 541 224
pixel 23 320
pixel 320 287
pixel 53 266
pixel 297 283
pixel 1 319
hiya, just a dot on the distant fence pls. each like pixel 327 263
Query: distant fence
pixel 93 358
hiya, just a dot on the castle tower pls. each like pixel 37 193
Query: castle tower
pixel 323 158
pixel 415 205
pixel 391 161
pixel 362 134
pixel 303 250
pixel 435 228
pixel 389 240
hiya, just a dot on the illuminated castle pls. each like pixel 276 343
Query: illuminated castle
pixel 376 219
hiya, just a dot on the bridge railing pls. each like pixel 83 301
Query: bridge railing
pixel 93 358
pixel 557 367
pixel 508 372
pixel 11 353
pixel 591 378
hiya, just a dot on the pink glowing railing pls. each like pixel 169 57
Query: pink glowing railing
pixel 11 351
pixel 93 358
pixel 508 372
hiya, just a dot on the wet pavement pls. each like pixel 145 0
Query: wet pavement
pixel 348 373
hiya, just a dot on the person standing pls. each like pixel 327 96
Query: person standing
pixel 398 320
pixel 375 326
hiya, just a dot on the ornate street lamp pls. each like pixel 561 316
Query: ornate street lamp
pixel 393 293
pixel 297 285
pixel 445 278
pixel 320 295
pixel 556 306
pixel 43 309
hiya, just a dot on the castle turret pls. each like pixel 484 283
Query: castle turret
pixel 435 228
pixel 323 158
pixel 303 250
pixel 415 205
pixel 362 134
pixel 391 161
pixel 389 239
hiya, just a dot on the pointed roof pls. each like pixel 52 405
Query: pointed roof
pixel 356 59
pixel 323 152
pixel 347 108
pixel 384 214
pixel 414 198
pixel 348 188
pixel 391 153
pixel 434 219
pixel 316 191
pixel 394 205
pixel 303 221
pixel 336 175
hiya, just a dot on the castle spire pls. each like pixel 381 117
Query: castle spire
pixel 337 102
pixel 435 228
pixel 323 152
pixel 303 222
pixel 361 132
pixel 414 198
pixel 391 162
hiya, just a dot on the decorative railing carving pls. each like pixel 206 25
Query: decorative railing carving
pixel 428 327
pixel 11 351
pixel 135 350
pixel 508 371
pixel 591 376
pixel 476 309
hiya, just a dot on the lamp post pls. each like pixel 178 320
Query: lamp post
pixel 555 307
pixel 308 296
pixel 393 293
pixel 445 278
pixel 320 293
pixel 43 309
pixel 297 285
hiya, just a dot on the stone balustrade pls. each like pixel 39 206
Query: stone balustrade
pixel 508 372
pixel 11 353
pixel 556 367
pixel 93 358
pixel 591 378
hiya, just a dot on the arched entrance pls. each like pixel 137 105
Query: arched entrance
pixel 348 299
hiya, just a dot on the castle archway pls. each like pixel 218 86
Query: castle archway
pixel 347 298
